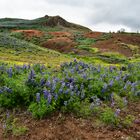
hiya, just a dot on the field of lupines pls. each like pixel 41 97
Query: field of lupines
pixel 77 87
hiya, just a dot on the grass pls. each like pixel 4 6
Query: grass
pixel 14 50
pixel 113 57
pixel 87 48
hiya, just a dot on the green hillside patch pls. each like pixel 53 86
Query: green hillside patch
pixel 87 48
pixel 13 50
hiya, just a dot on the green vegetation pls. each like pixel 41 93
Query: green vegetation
pixel 92 84
pixel 77 87
pixel 113 57
pixel 87 48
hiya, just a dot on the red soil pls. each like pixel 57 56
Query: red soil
pixel 68 127
pixel 30 33
pixel 60 34
pixel 61 44
pixel 114 44
pixel 93 35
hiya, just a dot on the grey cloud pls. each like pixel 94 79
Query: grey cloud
pixel 86 12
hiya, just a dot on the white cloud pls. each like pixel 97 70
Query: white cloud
pixel 103 15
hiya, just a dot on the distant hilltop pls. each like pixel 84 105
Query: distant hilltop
pixel 46 21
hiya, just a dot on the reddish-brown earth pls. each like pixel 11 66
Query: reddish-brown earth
pixel 65 42
pixel 61 44
pixel 30 33
pixel 60 34
pixel 93 34
pixel 68 127
pixel 114 44
pixel 61 41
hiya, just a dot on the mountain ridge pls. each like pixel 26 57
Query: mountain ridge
pixel 46 21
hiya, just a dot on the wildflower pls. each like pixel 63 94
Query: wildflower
pixel 111 83
pixel 31 74
pixel 67 91
pixel 48 83
pixel 49 98
pixel 42 82
pixel 10 72
pixel 60 91
pixel 45 92
pixel 117 112
pixel 56 97
pixel 38 97
pixel 112 103
pixel 117 78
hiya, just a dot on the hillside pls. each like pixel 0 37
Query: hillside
pixel 46 21
pixel 60 80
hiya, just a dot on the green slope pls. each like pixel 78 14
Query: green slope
pixel 18 51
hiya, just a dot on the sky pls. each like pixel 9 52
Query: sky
pixel 98 15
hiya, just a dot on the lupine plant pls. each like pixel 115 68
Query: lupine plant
pixel 72 87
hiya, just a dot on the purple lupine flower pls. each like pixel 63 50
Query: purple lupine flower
pixel 133 84
pixel 117 112
pixel 49 98
pixel 31 74
pixel 6 89
pixel 104 88
pixel 112 103
pixel 111 83
pixel 55 96
pixel 46 93
pixel 75 61
pixel 137 121
pixel 125 77
pixel 117 78
pixel 60 91
pixel 84 76
pixel 42 82
pixel 53 88
pixel 67 91
pixel 111 68
pixel 48 83
pixel 38 97
pixel 125 87
pixel 24 67
pixel 10 72
pixel 71 87
pixel 63 85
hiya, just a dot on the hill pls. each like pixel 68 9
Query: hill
pixel 78 83
pixel 46 21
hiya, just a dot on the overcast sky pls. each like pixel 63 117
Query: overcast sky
pixel 99 15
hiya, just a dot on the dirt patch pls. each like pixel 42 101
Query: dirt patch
pixel 30 33
pixel 61 44
pixel 93 35
pixel 68 127
pixel 60 34
pixel 113 44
